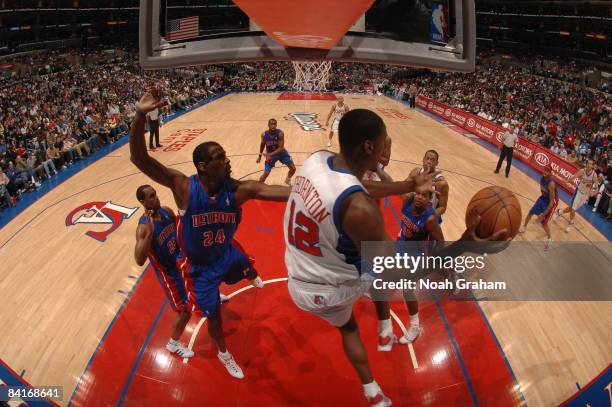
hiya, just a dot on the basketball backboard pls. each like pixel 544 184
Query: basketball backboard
pixel 438 34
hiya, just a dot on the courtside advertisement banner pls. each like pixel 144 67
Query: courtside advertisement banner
pixel 532 154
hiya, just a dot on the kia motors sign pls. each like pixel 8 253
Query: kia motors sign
pixel 542 159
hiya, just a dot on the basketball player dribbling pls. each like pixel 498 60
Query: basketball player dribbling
pixel 338 110
pixel 273 140
pixel 588 184
pixel 419 223
pixel 156 240
pixel 209 204
pixel 439 199
pixel 329 214
pixel 545 206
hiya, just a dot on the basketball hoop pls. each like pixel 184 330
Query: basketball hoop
pixel 311 76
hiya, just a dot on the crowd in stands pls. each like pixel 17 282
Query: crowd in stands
pixel 59 108
pixel 572 120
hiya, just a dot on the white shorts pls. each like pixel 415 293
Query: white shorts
pixel 333 304
pixel 579 199
pixel 334 126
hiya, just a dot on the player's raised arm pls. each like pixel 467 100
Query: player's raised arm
pixel 144 237
pixel 258 190
pixel 383 189
pixel 168 177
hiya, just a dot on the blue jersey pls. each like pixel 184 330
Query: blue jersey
pixel 271 140
pixel 207 227
pixel 544 184
pixel 413 226
pixel 164 249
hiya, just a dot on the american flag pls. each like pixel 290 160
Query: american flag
pixel 183 28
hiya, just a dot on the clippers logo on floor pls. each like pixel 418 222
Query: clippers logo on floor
pixel 307 121
pixel 180 138
pixel 100 213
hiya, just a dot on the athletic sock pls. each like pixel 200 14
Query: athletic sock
pixel 371 389
pixel 414 320
pixel 384 326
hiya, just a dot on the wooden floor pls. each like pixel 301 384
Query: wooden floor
pixel 59 288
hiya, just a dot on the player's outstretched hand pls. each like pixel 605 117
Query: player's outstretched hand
pixel 151 100
pixel 258 159
pixel 495 243
pixel 425 178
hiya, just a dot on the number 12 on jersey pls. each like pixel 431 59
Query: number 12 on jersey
pixel 305 234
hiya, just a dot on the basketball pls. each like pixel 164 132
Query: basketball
pixel 498 208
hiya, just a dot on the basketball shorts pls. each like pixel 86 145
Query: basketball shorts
pixel 579 199
pixel 334 126
pixel 203 281
pixel 334 304
pixel 173 286
pixel 539 207
pixel 283 157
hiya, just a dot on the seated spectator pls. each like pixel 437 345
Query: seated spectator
pixel 18 180
pixel 572 157
pixel 5 197
pixel 54 154
pixel 35 168
pixel 22 167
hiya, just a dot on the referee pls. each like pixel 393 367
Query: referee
pixel 509 141
pixel 154 125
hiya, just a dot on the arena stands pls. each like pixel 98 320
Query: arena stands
pixel 55 108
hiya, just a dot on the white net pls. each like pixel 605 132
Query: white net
pixel 311 76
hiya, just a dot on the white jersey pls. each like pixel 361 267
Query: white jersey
pixel 317 251
pixel 587 181
pixel 339 111
pixel 434 197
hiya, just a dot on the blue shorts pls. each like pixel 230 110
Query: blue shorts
pixel 173 285
pixel 540 206
pixel 203 281
pixel 283 157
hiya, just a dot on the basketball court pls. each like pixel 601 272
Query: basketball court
pixel 80 314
